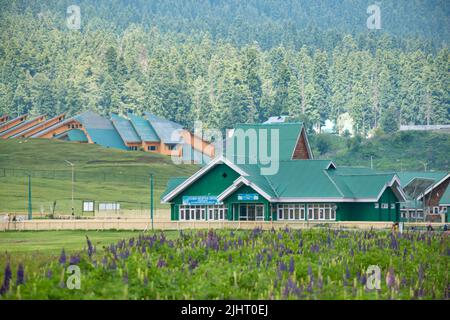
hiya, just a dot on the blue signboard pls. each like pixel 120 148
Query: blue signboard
pixel 200 200
pixel 248 196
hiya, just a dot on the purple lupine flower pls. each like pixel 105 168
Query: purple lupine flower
pixel 113 265
pixel 310 273
pixel 390 278
pixel 193 264
pixel 20 275
pixel 230 258
pixel 282 267
pixel 347 273
pixel 6 279
pixel 62 257
pixel 161 263
pixel 291 265
pixel 421 273
pixel 259 258
pixel 49 273
pixel 363 279
pixel 90 247
pixel 75 259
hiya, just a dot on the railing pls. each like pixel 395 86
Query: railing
pixel 145 224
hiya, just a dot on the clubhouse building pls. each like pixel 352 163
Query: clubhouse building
pixel 234 186
pixel 146 132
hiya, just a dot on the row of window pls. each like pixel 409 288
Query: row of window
pixel 384 205
pixel 411 214
pixel 149 148
pixel 74 126
pixel 324 211
pixel 215 212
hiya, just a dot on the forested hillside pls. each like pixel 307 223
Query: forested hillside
pixel 225 62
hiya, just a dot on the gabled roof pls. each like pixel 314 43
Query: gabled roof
pixel 73 135
pixel 289 134
pixel 303 181
pixel 125 129
pixel 424 182
pixel 172 183
pixel 165 129
pixel 445 199
pixel 40 124
pixel 21 124
pixel 56 125
pixel 7 123
pixel 143 128
pixel 406 177
pixel 100 130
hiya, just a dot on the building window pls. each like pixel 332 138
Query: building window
pixel 291 212
pixel 198 212
pixel 377 205
pixel 251 212
pixel 217 212
pixel 384 206
pixel 152 148
pixel 324 211
pixel 171 146
pixel 393 206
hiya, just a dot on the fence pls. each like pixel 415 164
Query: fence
pixel 79 175
pixel 145 224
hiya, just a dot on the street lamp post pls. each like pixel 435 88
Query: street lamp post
pixel 30 211
pixel 151 198
pixel 73 175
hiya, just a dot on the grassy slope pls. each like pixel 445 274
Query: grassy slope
pixel 405 150
pixel 124 171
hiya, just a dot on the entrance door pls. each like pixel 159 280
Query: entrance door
pixel 251 212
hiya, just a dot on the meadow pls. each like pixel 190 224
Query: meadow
pixel 101 174
pixel 236 264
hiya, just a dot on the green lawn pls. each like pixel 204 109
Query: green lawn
pixel 37 247
pixel 101 174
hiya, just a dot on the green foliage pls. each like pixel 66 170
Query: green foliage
pixel 284 264
pixel 404 150
pixel 214 67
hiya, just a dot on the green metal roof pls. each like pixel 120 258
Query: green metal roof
pixel 445 199
pixel 166 130
pixel 77 135
pixel 100 130
pixel 125 129
pixel 143 128
pixel 302 179
pixel 288 136
pixel 361 185
pixel 172 183
pixel 407 176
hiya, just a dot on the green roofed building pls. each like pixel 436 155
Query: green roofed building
pixel 301 189
pixel 427 195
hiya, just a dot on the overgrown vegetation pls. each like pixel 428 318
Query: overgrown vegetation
pixel 285 264
pixel 408 150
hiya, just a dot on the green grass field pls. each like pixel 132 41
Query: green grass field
pixel 101 174
pixel 225 264
pixel 37 247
